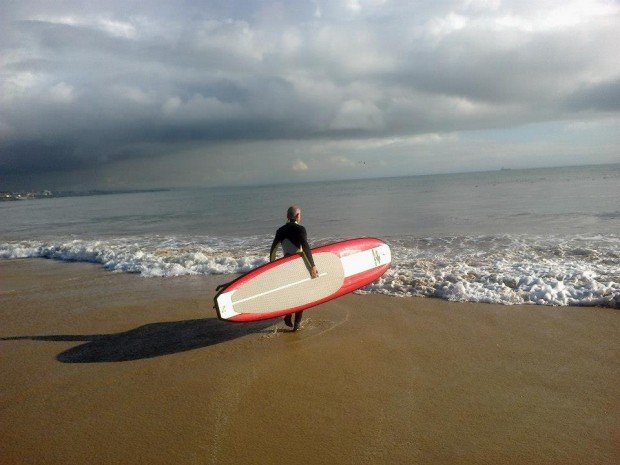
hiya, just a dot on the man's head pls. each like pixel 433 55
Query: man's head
pixel 293 213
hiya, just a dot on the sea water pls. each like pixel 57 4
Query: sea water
pixel 542 236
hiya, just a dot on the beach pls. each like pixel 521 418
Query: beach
pixel 101 367
pixel 441 178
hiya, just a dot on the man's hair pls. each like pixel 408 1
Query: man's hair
pixel 292 212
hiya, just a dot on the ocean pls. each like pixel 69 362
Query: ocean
pixel 540 236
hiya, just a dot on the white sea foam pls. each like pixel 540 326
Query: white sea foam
pixel 497 269
pixel 150 257
pixel 507 270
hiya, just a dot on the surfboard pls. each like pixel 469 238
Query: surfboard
pixel 285 285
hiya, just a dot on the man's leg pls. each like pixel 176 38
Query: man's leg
pixel 287 318
pixel 297 320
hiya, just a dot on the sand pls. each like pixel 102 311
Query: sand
pixel 105 368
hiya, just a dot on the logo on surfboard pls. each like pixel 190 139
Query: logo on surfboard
pixel 376 257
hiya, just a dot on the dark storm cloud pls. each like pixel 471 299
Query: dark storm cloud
pixel 86 83
pixel 20 157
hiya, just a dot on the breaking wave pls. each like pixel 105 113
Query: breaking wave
pixel 496 269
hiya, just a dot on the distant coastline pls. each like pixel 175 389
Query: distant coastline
pixel 6 196
pixel 13 196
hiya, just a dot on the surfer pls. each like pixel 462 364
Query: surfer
pixel 294 240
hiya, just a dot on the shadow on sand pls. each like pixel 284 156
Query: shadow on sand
pixel 151 340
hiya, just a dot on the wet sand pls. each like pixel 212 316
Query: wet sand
pixel 101 368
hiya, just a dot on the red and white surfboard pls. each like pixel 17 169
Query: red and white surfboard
pixel 285 286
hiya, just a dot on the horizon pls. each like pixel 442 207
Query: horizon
pixel 277 184
pixel 119 96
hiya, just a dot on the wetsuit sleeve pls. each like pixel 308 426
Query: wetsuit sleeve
pixel 274 246
pixel 306 247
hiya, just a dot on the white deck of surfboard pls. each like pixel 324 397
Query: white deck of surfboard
pixel 290 285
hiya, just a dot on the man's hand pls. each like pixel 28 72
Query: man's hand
pixel 314 272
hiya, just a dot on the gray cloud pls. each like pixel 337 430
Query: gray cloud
pixel 603 96
pixel 86 85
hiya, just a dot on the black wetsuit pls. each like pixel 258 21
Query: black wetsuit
pixel 296 235
pixel 294 239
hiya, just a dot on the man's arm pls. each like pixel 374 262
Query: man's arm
pixel 307 254
pixel 306 247
pixel 274 247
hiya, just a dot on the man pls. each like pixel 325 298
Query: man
pixel 294 240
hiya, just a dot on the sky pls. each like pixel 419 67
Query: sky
pixel 141 94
